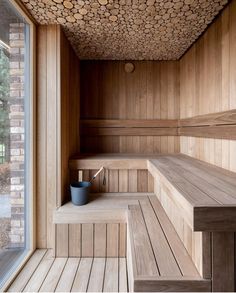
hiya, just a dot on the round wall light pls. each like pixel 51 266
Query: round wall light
pixel 129 67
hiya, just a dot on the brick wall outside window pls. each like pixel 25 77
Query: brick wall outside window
pixel 17 158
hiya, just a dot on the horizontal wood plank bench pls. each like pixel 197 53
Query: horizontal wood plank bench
pixel 97 229
pixel 199 201
pixel 110 161
pixel 205 193
pixel 102 208
pixel 157 257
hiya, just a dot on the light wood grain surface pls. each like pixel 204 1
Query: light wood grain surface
pixel 57 115
pixel 49 274
pixel 207 86
pixel 109 93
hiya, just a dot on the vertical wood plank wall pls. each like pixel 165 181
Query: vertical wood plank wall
pixel 122 180
pixel 69 111
pixel 150 92
pixel 208 85
pixel 91 240
pixel 57 70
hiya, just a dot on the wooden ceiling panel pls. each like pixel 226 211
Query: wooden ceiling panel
pixel 128 29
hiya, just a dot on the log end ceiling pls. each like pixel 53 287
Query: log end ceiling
pixel 128 29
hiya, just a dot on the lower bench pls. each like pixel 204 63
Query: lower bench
pixel 157 259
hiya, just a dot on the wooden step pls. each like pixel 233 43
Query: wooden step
pixel 102 208
pixel 157 259
pixel 97 229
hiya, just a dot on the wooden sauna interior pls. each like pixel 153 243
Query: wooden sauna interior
pixel 165 219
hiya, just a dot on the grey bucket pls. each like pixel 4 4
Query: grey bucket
pixel 80 192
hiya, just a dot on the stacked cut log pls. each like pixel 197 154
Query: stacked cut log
pixel 128 29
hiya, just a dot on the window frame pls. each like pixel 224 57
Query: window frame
pixel 30 203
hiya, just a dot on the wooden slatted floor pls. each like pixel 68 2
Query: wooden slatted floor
pixel 44 273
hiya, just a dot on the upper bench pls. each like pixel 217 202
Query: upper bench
pixel 205 193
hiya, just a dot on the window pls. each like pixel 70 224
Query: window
pixel 15 138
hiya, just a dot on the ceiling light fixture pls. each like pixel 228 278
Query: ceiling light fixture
pixel 129 67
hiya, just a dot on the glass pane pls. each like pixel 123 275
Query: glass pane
pixel 13 123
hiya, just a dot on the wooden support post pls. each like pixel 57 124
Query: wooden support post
pixel 223 262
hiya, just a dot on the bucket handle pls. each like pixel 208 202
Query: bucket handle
pixel 95 175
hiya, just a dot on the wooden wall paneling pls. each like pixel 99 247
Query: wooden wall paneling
pixel 142 180
pixel 164 144
pixel 100 236
pixel 214 125
pixel 212 119
pixel 91 240
pixel 112 240
pixel 133 180
pixel 122 91
pixel 225 60
pixel 156 144
pixel 211 88
pixel 221 155
pixel 80 175
pixel 62 236
pixel 123 180
pixel 173 90
pixel 104 185
pixel 134 96
pixel 87 240
pixel 171 144
pixel 137 132
pixel 74 240
pixel 41 199
pixel 154 99
pixel 58 113
pixel 52 139
pixel 157 95
pixel 128 123
pixel 74 175
pixel 142 102
pixel 64 116
pixel 149 146
pixel 95 183
pixel 232 53
pixel 113 179
pixel 122 239
pixel 86 175
pixel 164 90
pixel 223 132
pixel 69 112
pixel 150 89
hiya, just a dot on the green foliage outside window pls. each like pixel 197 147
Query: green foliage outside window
pixel 4 105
